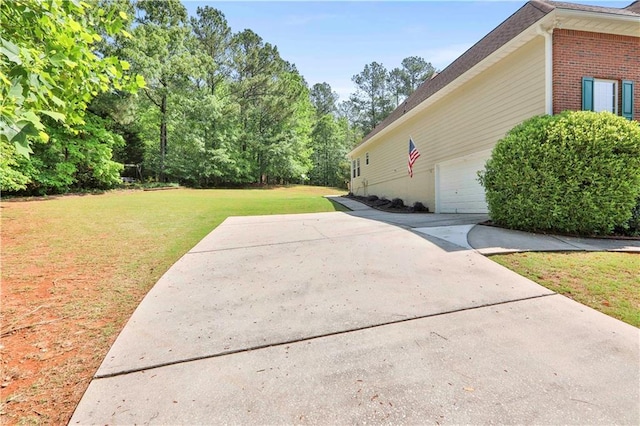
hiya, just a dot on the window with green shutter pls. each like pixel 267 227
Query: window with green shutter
pixel 601 95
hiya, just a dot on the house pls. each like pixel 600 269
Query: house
pixel 546 58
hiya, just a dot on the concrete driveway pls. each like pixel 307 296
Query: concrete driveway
pixel 332 318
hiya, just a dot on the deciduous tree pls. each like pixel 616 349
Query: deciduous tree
pixel 48 67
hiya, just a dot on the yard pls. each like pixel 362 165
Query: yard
pixel 75 267
pixel 608 282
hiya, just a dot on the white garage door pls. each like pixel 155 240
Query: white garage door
pixel 457 186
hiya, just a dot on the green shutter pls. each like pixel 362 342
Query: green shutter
pixel 587 93
pixel 627 99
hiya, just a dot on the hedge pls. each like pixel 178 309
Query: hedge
pixel 576 172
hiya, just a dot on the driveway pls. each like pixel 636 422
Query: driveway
pixel 333 318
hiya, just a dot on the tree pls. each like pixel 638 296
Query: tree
pixel 396 82
pixel 330 146
pixel 213 32
pixel 48 67
pixel 330 139
pixel 323 99
pixel 371 97
pixel 71 160
pixel 162 51
pixel 275 110
pixel 415 71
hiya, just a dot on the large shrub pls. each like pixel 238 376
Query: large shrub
pixel 576 172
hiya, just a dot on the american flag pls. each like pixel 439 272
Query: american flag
pixel 413 156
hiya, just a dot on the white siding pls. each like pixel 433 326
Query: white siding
pixel 469 120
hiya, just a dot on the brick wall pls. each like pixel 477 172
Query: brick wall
pixel 577 54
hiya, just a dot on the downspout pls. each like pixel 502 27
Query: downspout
pixel 547 33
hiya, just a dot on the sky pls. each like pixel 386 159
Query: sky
pixel 331 41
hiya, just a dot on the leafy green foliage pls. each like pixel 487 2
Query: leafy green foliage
pixel 70 160
pixel 48 69
pixel 12 179
pixel 577 172
pixel 372 97
pixel 217 108
pixel 632 227
pixel 330 143
pixel 380 91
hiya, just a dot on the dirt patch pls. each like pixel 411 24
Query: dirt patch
pixel 53 332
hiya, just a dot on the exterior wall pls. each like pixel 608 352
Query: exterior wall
pixel 577 54
pixel 469 120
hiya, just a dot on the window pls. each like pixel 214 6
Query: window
pixel 605 93
pixel 353 168
pixel 602 95
pixel 358 166
pixel 366 159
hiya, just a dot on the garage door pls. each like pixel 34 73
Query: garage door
pixel 457 186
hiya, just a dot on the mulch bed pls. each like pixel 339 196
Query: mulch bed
pixel 392 206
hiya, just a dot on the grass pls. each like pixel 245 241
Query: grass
pixel 608 282
pixel 74 268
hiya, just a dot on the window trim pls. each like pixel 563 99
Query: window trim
pixel 358 166
pixel 589 93
pixel 615 92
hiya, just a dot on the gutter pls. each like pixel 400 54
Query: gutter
pixel 547 33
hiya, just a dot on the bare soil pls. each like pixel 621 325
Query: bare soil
pixel 50 344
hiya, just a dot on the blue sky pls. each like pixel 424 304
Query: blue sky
pixel 330 41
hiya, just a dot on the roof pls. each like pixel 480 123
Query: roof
pixel 522 19
pixel 634 7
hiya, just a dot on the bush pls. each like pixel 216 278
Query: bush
pixel 632 227
pixel 372 198
pixel 419 207
pixel 381 202
pixel 397 203
pixel 576 172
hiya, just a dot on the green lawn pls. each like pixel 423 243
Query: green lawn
pixel 608 282
pixel 75 267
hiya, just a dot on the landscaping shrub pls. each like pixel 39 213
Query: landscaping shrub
pixel 576 172
pixel 381 202
pixel 397 203
pixel 372 198
pixel 419 207
pixel 632 227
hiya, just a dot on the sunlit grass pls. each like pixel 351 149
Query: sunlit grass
pixel 76 267
pixel 606 281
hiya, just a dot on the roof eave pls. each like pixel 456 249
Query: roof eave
pixel 509 47
pixel 553 19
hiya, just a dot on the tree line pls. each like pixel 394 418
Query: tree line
pixel 167 97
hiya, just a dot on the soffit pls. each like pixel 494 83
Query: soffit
pixel 597 22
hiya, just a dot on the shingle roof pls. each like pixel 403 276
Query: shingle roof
pixel 634 7
pixel 523 18
pixel 628 11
